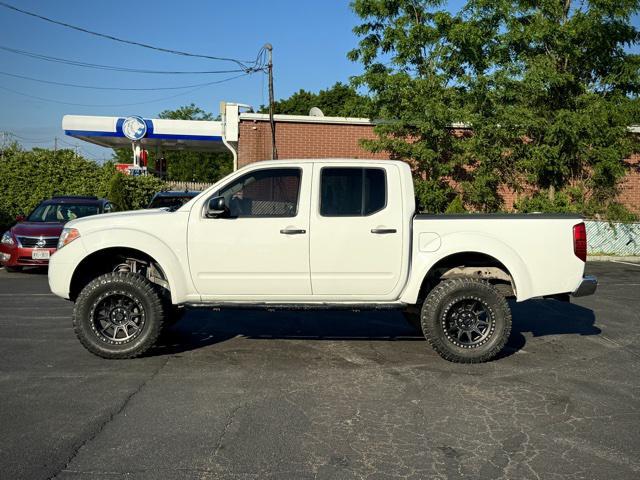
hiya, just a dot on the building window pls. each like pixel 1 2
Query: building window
pixel 272 192
pixel 352 192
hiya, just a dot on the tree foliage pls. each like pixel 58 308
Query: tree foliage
pixel 28 177
pixel 338 101
pixel 549 89
pixel 132 193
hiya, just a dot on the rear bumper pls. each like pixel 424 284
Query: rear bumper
pixel 587 286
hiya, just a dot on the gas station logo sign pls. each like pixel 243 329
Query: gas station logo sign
pixel 134 128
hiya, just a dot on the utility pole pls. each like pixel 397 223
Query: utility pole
pixel 55 147
pixel 274 150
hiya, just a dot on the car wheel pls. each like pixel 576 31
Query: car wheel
pixel 13 269
pixel 119 315
pixel 466 320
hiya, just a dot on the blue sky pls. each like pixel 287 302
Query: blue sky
pixel 310 40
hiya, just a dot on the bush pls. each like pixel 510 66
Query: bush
pixel 117 193
pixel 456 206
pixel 572 200
pixel 138 191
pixel 28 177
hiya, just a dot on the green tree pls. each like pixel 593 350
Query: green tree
pixel 338 101
pixel 186 112
pixel 28 177
pixel 399 49
pixel 117 192
pixel 195 166
pixel 549 89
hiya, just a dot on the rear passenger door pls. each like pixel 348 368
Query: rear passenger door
pixel 356 231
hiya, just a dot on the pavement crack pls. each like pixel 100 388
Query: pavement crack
pixel 92 435
pixel 230 420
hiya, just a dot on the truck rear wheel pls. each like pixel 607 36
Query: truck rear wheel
pixel 119 315
pixel 466 320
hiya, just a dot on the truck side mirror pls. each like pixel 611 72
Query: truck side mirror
pixel 217 208
pixel 20 218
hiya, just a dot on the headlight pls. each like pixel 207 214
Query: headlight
pixel 67 236
pixel 7 239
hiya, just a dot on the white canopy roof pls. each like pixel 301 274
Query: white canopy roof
pixel 195 135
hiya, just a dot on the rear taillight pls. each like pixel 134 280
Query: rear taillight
pixel 580 241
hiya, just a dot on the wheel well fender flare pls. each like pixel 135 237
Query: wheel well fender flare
pixel 469 243
pixel 150 245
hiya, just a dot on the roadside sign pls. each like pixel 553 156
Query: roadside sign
pixel 131 169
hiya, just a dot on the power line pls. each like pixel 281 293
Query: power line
pixel 240 63
pixel 30 140
pixel 93 87
pixel 120 104
pixel 77 63
pixel 50 140
pixel 69 143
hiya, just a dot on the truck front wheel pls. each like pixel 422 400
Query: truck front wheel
pixel 466 320
pixel 119 315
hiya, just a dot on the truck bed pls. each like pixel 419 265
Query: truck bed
pixel 536 249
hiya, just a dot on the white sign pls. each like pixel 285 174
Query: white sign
pixel 134 128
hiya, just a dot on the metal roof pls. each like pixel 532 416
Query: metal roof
pixel 164 134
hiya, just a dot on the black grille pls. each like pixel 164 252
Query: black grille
pixel 31 242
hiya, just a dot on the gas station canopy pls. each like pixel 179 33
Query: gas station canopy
pixel 160 134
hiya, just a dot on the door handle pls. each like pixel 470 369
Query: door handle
pixel 382 231
pixel 292 231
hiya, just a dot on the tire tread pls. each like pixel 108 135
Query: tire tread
pixel 436 297
pixel 156 299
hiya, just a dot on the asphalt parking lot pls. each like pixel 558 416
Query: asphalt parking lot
pixel 245 394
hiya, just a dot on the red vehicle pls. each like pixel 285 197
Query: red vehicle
pixel 32 240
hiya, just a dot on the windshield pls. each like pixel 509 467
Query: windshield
pixel 172 203
pixel 62 212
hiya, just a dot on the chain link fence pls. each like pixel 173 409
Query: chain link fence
pixel 613 238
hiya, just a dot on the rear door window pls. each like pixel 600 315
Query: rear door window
pixel 352 192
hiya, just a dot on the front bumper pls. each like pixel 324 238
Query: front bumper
pixel 14 256
pixel 587 286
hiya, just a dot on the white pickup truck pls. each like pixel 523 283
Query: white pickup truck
pixel 314 234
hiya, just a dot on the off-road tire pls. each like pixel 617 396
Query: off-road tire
pixel 139 289
pixel 436 315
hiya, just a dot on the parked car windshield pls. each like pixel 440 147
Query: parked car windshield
pixel 62 212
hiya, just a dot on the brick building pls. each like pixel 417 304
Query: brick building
pixel 299 136
pixel 248 137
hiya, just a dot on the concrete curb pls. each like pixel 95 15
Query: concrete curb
pixel 612 258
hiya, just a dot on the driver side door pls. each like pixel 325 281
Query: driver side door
pixel 261 250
